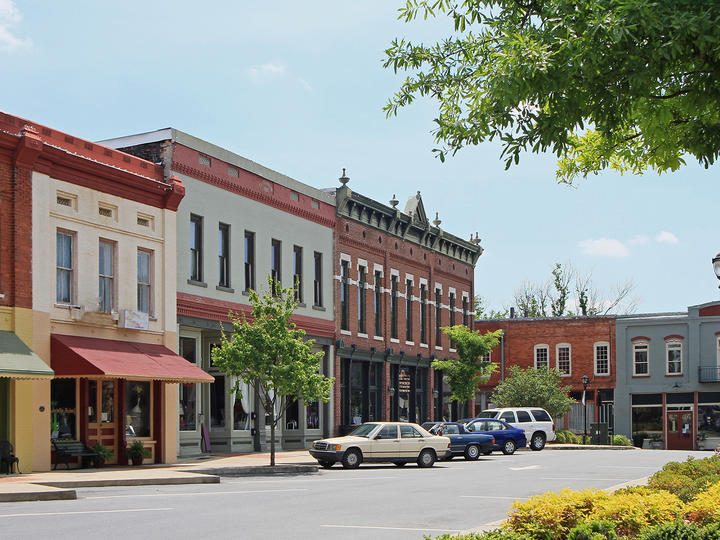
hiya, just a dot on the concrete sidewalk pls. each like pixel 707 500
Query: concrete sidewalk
pixel 59 484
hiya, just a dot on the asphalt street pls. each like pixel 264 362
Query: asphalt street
pixel 374 501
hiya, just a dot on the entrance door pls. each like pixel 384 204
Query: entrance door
pixel 680 430
pixel 102 408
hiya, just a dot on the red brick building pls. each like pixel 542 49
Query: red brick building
pixel 576 346
pixel 398 280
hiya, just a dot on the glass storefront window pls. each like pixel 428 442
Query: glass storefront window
pixel 709 420
pixel 356 393
pixel 420 395
pixel 403 390
pixel 241 409
pixel 647 420
pixel 217 402
pixel 62 408
pixel 137 404
pixel 291 415
pixel 312 415
pixel 188 407
pixel 92 401
pixel 108 402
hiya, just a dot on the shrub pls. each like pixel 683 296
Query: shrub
pixel 595 530
pixel 552 515
pixel 497 534
pixel 687 479
pixel 677 530
pixel 705 508
pixel 633 510
pixel 620 440
pixel 566 437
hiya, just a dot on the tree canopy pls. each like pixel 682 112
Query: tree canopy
pixel 534 388
pixel 269 353
pixel 470 368
pixel 629 85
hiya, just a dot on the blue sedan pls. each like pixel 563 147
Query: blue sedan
pixel 507 438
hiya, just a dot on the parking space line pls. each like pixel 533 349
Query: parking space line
pixel 493 497
pixel 583 478
pixel 390 528
pixel 191 493
pixel 35 514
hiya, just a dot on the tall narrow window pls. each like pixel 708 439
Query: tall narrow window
pixel 452 309
pixel 541 357
pixel 438 318
pixel 344 293
pixel 317 280
pixel 641 363
pixel 408 310
pixel 563 359
pixel 602 358
pixel 224 255
pixel 297 273
pixel 275 265
pixel 674 358
pixel 394 307
pixel 362 282
pixel 423 313
pixel 249 260
pixel 64 268
pixel 143 281
pixel 107 273
pixel 377 307
pixel 465 310
pixel 196 260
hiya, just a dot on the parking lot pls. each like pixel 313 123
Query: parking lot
pixel 374 501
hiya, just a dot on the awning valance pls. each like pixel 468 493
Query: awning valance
pixel 17 361
pixel 75 356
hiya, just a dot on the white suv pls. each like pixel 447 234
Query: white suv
pixel 536 422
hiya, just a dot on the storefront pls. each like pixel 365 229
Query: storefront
pixel 708 420
pixel 115 392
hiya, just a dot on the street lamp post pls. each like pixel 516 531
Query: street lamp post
pixel 716 266
pixel 585 380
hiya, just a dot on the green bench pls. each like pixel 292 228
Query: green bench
pixel 65 449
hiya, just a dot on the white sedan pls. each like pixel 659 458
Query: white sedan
pixel 393 442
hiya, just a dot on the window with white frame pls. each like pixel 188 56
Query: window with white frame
pixel 144 282
pixel 106 276
pixel 64 268
pixel 541 357
pixel 563 360
pixel 641 359
pixel 673 350
pixel 602 358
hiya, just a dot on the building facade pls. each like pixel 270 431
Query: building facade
pixel 576 346
pixel 239 224
pixel 668 378
pixel 398 280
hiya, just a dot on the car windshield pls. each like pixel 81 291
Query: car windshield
pixel 363 430
pixel 487 414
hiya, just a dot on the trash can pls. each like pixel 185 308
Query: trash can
pixel 599 433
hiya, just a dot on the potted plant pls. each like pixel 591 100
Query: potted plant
pixel 104 453
pixel 656 442
pixel 136 452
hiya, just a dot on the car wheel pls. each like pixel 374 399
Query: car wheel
pixel 400 463
pixel 472 452
pixel 538 441
pixel 352 458
pixel 326 464
pixel 509 447
pixel 426 458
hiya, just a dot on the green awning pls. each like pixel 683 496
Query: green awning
pixel 17 361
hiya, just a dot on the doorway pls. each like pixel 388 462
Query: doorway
pixel 102 415
pixel 680 430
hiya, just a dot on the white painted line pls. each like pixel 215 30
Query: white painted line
pixel 34 514
pixel 492 497
pixel 190 493
pixel 524 468
pixel 300 480
pixel 625 467
pixel 389 528
pixel 583 478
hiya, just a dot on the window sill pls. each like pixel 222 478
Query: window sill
pixel 246 292
pixel 412 343
pixel 673 374
pixel 302 304
pixel 438 348
pixel 378 338
pixel 319 308
pixel 424 345
pixel 346 332
pixel 67 306
pixel 394 340
pixel 197 283
pixel 360 334
pixel 642 376
pixel 225 289
pixel 453 350
pixel 602 374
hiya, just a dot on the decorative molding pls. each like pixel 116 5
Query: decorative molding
pixel 640 338
pixel 673 336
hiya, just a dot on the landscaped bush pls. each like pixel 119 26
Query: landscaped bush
pixel 566 437
pixel 621 440
pixel 705 509
pixel 595 530
pixel 497 534
pixel 680 530
pixel 687 479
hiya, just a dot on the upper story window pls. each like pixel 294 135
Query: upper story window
pixel 344 294
pixel 106 257
pixel 452 309
pixel 64 268
pixel 541 357
pixel 423 313
pixel 249 260
pixel 641 358
pixel 196 247
pixel 408 310
pixel 602 358
pixel 438 318
pixel 144 281
pixel 393 307
pixel 465 317
pixel 563 358
pixel 204 160
pixel 298 273
pixel 275 265
pixel 317 280
pixel 673 350
pixel 362 278
pixel 377 304
pixel 224 255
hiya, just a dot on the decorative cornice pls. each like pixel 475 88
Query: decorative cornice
pixel 673 336
pixel 640 338
pixel 260 196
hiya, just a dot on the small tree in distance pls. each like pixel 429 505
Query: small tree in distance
pixel 269 353
pixel 533 387
pixel 468 370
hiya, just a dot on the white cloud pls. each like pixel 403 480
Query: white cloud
pixel 306 85
pixel 639 239
pixel 604 247
pixel 10 16
pixel 264 72
pixel 667 238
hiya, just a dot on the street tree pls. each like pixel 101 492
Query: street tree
pixel 268 352
pixel 628 85
pixel 533 387
pixel 482 311
pixel 470 368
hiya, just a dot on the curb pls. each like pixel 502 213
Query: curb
pixel 202 478
pixel 588 447
pixel 54 495
pixel 264 470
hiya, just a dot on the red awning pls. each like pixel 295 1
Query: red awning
pixel 74 356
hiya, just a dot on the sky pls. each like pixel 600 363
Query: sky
pixel 299 87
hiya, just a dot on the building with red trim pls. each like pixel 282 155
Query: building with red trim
pixel 239 224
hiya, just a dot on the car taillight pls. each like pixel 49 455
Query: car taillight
pixel 492 441
pixel 448 443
